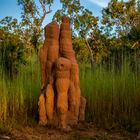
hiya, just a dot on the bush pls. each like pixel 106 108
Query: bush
pixel 11 53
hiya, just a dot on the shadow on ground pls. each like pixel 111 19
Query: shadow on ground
pixel 83 131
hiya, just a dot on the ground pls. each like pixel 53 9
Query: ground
pixel 84 131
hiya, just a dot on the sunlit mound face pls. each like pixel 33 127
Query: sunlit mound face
pixel 52 30
pixel 65 20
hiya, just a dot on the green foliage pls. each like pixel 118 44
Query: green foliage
pixel 70 8
pixel 9 24
pixel 30 28
pixel 134 34
pixel 36 39
pixel 120 21
pixel 85 23
pixel 33 15
pixel 120 15
pixel 99 45
pixel 12 53
pixel 80 49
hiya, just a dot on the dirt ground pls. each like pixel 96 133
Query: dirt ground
pixel 83 131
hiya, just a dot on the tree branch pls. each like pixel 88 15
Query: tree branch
pixel 44 11
pixel 90 51
pixel 135 44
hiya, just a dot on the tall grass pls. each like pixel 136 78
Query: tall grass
pixel 113 99
pixel 18 97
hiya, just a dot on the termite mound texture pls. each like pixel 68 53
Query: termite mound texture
pixel 66 49
pixel 74 91
pixel 60 102
pixel 48 55
pixel 42 110
pixel 62 86
pixel 49 52
pixel 49 102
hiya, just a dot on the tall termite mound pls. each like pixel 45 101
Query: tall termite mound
pixel 60 102
pixel 48 55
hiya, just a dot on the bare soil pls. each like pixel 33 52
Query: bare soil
pixel 84 131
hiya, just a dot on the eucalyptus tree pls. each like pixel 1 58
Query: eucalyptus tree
pixel 32 15
pixel 121 16
pixel 120 20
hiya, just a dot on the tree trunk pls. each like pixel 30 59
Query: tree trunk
pixel 92 60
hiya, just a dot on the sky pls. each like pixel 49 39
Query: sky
pixel 100 3
pixel 10 8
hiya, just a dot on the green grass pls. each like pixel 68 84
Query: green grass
pixel 18 98
pixel 113 99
